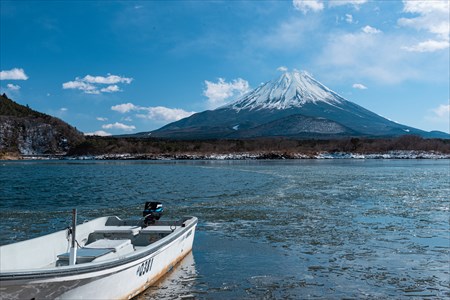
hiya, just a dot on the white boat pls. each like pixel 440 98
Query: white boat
pixel 112 259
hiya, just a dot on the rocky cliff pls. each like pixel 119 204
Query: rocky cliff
pixel 24 131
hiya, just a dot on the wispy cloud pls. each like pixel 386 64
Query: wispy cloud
pixel 282 69
pixel 102 119
pixel 308 5
pixel 287 36
pixel 440 116
pixel 221 92
pixel 428 46
pixel 349 18
pixel 13 87
pixel 399 52
pixel 368 54
pixel 429 16
pixel 94 84
pixel 318 5
pixel 442 111
pixel 13 74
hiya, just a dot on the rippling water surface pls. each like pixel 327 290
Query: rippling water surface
pixel 267 229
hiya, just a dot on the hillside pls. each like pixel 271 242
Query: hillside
pixel 24 131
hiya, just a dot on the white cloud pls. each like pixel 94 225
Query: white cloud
pixel 82 86
pixel 63 109
pixel 13 87
pixel 102 119
pixel 317 5
pixel 158 113
pixel 370 30
pixel 120 126
pixel 221 92
pixel 355 3
pixel 433 18
pixel 92 84
pixel 425 6
pixel 111 79
pixel 125 107
pixel 13 74
pixel 359 86
pixel 307 5
pixel 98 133
pixel 428 46
pixel 282 69
pixel 110 89
pixel 164 114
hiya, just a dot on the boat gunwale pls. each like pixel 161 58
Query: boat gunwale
pixel 98 266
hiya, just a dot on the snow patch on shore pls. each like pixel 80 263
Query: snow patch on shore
pixel 269 155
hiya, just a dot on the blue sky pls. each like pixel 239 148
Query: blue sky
pixel 116 67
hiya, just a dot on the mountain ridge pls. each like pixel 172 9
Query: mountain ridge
pixel 289 98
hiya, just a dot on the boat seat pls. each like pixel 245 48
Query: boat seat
pixel 134 230
pixel 114 245
pixel 152 234
pixel 95 250
pixel 158 229
pixel 83 255
pixel 114 232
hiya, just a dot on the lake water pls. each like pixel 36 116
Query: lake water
pixel 300 229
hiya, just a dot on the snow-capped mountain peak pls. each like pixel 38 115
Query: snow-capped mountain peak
pixel 294 105
pixel 291 89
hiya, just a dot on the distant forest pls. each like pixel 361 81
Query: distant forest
pixel 119 145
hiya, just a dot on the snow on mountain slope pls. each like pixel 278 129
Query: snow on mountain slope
pixel 291 89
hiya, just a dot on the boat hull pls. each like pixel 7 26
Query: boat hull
pixel 118 279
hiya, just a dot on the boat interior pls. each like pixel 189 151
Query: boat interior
pixel 118 238
pixel 98 240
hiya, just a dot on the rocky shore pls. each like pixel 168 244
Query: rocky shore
pixel 240 156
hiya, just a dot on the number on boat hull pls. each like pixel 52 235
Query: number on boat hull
pixel 145 267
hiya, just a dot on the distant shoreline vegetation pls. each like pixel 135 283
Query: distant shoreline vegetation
pixel 404 147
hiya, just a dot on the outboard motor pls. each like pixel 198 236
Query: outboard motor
pixel 152 212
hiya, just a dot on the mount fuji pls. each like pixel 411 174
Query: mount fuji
pixel 295 105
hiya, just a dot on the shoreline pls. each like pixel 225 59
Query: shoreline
pixel 395 154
